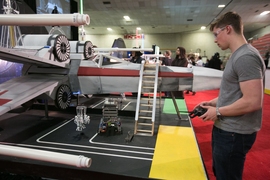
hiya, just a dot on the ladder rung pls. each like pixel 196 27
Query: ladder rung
pixel 150 82
pixel 110 111
pixel 146 105
pixel 149 73
pixel 144 124
pixel 148 87
pixel 141 130
pixel 149 76
pixel 145 111
pixel 145 117
pixel 144 134
pixel 149 68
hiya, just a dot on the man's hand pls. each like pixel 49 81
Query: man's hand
pixel 210 114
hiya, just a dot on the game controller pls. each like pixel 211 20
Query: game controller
pixel 198 111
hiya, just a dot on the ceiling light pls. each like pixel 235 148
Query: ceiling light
pixel 264 13
pixel 203 27
pixel 109 29
pixel 221 6
pixel 138 28
pixel 127 18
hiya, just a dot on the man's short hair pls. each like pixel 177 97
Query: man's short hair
pixel 229 18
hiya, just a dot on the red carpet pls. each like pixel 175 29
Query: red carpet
pixel 257 165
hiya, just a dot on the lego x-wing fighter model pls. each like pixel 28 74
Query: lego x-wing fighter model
pixel 56 68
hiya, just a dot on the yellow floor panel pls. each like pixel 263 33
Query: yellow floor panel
pixel 177 155
pixel 267 91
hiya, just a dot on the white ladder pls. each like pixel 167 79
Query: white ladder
pixel 146 106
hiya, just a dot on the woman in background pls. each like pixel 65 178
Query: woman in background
pixel 136 57
pixel 180 60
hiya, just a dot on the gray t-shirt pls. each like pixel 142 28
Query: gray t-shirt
pixel 244 64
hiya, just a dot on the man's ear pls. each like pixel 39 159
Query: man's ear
pixel 229 29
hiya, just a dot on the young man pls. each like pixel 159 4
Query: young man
pixel 237 111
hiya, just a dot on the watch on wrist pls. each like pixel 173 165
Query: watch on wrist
pixel 218 113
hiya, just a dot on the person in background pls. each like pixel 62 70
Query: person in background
pixel 192 60
pixel 132 55
pixel 206 63
pixel 167 60
pixel 55 10
pixel 136 57
pixel 237 111
pixel 180 60
pixel 215 62
pixel 199 62
pixel 188 58
pixel 267 56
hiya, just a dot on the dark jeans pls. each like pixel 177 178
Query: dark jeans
pixel 229 153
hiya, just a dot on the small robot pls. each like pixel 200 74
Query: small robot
pixel 110 123
pixel 111 127
pixel 81 119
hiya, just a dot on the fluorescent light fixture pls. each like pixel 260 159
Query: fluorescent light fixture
pixel 138 28
pixel 203 27
pixel 221 6
pixel 109 29
pixel 127 18
pixel 264 13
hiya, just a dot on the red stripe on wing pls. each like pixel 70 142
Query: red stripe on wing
pixel 4 101
pixel 3 92
pixel 90 71
pixel 174 74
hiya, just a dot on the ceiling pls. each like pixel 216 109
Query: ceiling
pixel 168 16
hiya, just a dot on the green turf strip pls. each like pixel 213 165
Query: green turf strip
pixel 169 108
